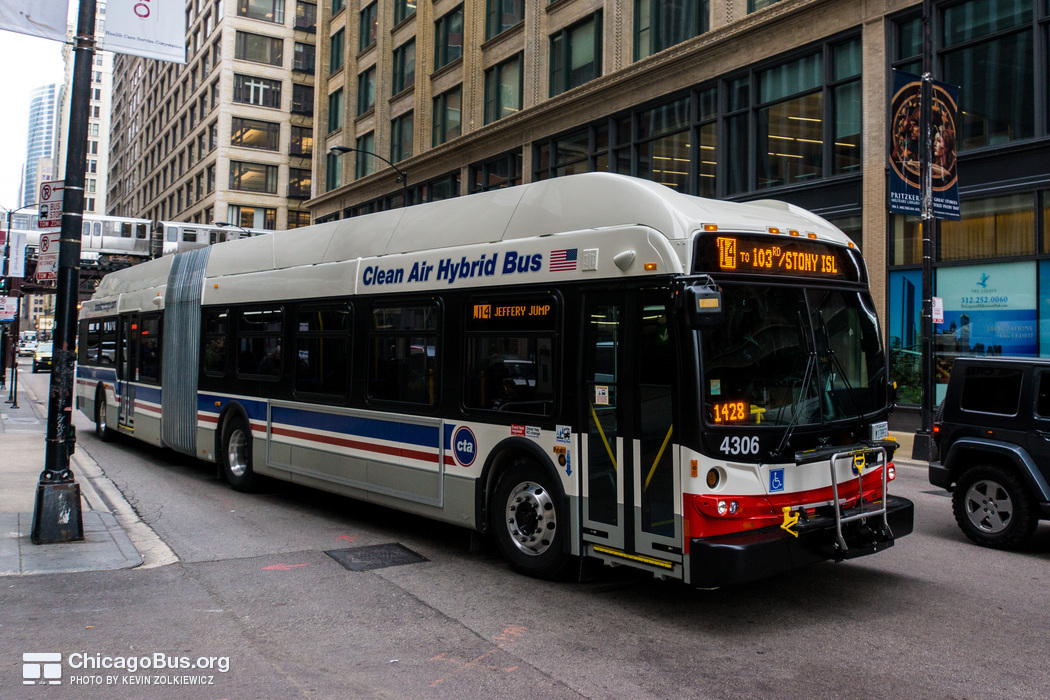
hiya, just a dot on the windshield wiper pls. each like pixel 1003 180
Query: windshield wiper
pixel 837 365
pixel 811 364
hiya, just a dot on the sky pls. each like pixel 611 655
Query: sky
pixel 28 63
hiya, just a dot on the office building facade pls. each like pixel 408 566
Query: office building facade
pixel 41 141
pixel 229 135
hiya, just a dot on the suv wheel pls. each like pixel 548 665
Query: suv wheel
pixel 993 507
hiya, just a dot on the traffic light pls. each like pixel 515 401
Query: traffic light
pixel 3 286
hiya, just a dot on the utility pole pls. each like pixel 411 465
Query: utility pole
pixel 57 514
pixel 923 446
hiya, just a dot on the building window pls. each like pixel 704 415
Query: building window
pixel 306 16
pixel 302 143
pixel 365 163
pixel 756 5
pixel 448 116
pixel 252 133
pixel 302 99
pixel 259 48
pixel 404 66
pixel 298 219
pixel 335 110
pixel 659 24
pixel 252 217
pixel 403 9
pixel 503 89
pixel 496 173
pixel 369 26
pixel 401 137
pixel 263 92
pixel 336 57
pixel 298 183
pixel 304 58
pixel 448 38
pixel 576 55
pixel 501 15
pixel 253 177
pixel 366 91
pixel 333 172
pixel 337 6
pixel 266 10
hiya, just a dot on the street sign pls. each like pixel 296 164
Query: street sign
pixel 8 308
pixel 51 194
pixel 938 310
pixel 47 257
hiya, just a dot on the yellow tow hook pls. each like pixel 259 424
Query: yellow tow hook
pixel 790 520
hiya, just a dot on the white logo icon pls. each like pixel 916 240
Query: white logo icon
pixel 41 669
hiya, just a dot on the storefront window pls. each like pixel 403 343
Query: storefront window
pixel 990 228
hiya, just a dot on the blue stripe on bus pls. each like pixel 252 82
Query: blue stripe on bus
pixel 101 373
pixel 311 419
pixel 373 428
pixel 147 393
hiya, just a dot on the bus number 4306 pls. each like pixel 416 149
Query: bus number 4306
pixel 737 445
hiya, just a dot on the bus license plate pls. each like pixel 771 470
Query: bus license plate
pixel 880 431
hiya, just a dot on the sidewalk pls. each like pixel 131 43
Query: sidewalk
pixel 106 545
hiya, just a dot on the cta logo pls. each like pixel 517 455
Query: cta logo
pixel 465 445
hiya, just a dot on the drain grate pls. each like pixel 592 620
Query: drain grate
pixel 379 556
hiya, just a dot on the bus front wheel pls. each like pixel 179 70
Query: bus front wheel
pixel 237 454
pixel 527 513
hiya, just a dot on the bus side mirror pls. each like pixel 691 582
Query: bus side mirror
pixel 703 305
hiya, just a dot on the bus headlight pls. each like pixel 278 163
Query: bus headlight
pixel 722 507
pixel 730 507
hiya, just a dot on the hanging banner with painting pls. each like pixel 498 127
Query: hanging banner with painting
pixel 906 142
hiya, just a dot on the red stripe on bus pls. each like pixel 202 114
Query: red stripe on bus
pixel 357 444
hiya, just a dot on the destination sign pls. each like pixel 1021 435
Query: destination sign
pixel 776 255
pixel 529 314
pixel 730 411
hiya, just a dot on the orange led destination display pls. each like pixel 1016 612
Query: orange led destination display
pixel 730 411
pixel 531 313
pixel 776 255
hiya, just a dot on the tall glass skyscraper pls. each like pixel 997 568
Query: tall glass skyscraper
pixel 40 141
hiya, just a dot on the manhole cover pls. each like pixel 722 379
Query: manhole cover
pixel 378 556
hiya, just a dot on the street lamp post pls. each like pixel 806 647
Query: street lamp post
pixel 57 511
pixel 16 289
pixel 402 176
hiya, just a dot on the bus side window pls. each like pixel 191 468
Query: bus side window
pixel 214 337
pixel 322 350
pixel 403 361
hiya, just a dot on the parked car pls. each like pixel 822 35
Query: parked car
pixel 993 439
pixel 27 348
pixel 42 357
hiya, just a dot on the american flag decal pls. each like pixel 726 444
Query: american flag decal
pixel 562 260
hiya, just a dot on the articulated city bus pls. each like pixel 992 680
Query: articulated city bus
pixel 593 366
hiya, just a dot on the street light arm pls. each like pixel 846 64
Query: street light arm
pixel 402 176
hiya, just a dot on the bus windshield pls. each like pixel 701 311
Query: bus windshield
pixel 790 355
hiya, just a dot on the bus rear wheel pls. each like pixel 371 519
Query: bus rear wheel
pixel 102 429
pixel 237 454
pixel 526 516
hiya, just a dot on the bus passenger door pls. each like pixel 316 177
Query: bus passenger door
pixel 631 484
pixel 129 353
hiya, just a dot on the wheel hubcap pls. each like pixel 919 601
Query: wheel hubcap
pixel 988 506
pixel 531 518
pixel 237 453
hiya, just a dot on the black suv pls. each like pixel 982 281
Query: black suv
pixel 993 437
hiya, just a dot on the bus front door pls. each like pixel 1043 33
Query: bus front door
pixel 126 368
pixel 632 491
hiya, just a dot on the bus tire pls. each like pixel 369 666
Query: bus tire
pixel 102 429
pixel 236 454
pixel 526 516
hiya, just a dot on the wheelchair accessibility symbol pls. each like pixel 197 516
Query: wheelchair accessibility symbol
pixel 776 480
